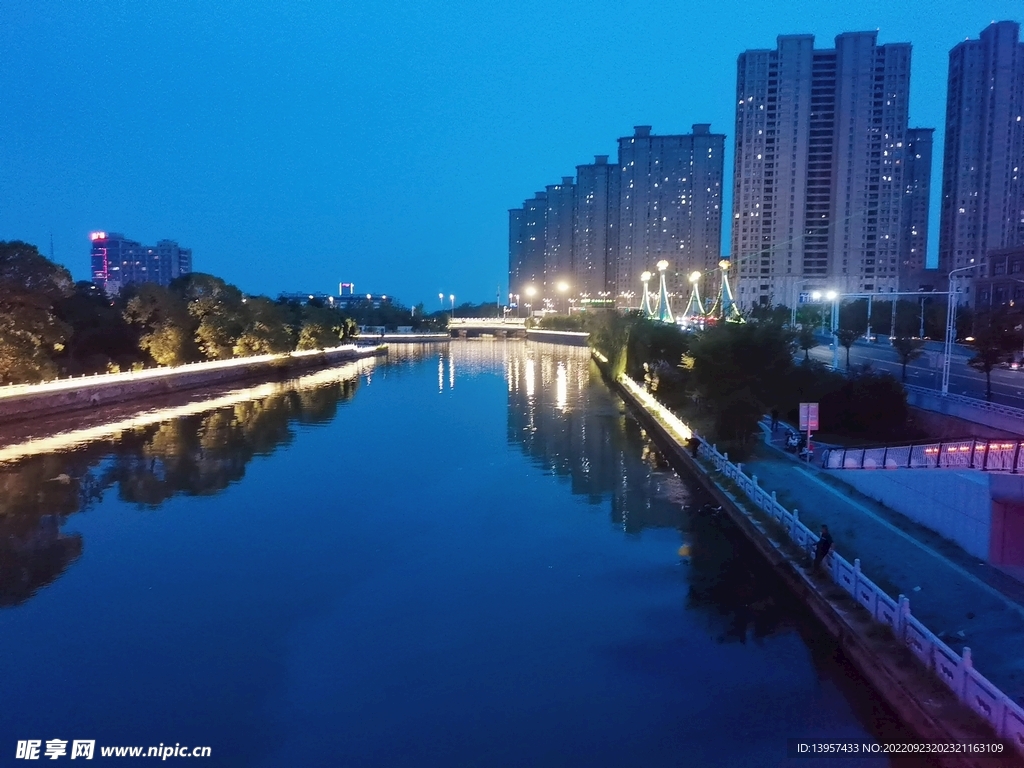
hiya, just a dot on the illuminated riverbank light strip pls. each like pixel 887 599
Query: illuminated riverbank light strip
pixel 668 419
pixel 77 438
pixel 105 379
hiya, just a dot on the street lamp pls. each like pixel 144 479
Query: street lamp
pixel 562 288
pixel 530 293
pixel 834 298
pixel 951 327
pixel 452 297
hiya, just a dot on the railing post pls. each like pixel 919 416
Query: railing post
pixel 910 456
pixel 984 456
pixel 966 664
pixel 1016 455
pixel 938 457
pixel 902 611
pixel 970 461
pixel 885 457
pixel 796 522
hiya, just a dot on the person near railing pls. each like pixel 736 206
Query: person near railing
pixel 821 549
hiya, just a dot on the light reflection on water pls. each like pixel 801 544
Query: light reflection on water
pixel 488 574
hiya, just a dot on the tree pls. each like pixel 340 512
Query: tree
pixel 266 329
pixel 741 371
pixel 31 335
pixel 989 351
pixel 167 330
pixel 218 308
pixel 323 327
pixel 846 337
pixel 807 340
pixel 908 351
pixel 101 338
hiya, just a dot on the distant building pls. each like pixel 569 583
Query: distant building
pixel 917 176
pixel 670 207
pixel 558 234
pixel 346 289
pixel 818 183
pixel 982 183
pixel 344 301
pixel 118 261
pixel 595 226
pixel 1003 281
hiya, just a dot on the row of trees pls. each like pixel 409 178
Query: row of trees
pixel 730 375
pixel 50 326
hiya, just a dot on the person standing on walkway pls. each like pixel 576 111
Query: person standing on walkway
pixel 822 548
pixel 775 419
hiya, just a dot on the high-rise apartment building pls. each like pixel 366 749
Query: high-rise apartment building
pixel 533 229
pixel 558 232
pixel 118 261
pixel 818 178
pixel 917 178
pixel 515 249
pixel 595 221
pixel 982 189
pixel 669 207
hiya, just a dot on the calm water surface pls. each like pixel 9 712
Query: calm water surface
pixel 461 557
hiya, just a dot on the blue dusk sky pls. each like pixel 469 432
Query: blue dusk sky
pixel 298 143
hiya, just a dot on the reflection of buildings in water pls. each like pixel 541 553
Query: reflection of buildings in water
pixel 198 449
pixel 564 416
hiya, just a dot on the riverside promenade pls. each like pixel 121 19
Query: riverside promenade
pixel 964 601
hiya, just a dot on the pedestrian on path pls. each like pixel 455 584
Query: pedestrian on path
pixel 822 548
pixel 775 419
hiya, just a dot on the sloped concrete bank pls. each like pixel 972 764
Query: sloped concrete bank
pixel 929 710
pixel 21 403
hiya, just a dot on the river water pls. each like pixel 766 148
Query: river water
pixel 462 556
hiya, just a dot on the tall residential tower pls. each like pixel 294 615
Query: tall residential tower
pixel 818 178
pixel 669 207
pixel 982 189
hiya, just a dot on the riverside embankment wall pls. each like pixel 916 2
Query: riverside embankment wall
pixel 21 402
pixel 915 693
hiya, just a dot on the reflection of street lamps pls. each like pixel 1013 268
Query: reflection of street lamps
pixel 950 327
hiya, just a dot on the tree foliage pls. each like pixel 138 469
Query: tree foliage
pixel 908 350
pixel 31 334
pixel 740 371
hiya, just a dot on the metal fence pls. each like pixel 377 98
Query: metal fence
pixel 974 402
pixel 988 455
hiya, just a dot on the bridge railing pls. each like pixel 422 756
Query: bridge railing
pixel 974 402
pixel 986 455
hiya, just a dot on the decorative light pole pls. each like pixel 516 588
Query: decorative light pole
pixel 664 310
pixel 452 297
pixel 645 304
pixel 951 327
pixel 562 288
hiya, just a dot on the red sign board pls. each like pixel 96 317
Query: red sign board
pixel 808 417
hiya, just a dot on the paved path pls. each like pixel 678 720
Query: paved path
pixel 963 601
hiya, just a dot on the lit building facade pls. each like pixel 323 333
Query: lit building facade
pixel 118 261
pixel 982 190
pixel 917 178
pixel 558 234
pixel 669 207
pixel 595 226
pixel 818 178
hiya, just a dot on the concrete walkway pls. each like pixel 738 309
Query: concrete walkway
pixel 961 600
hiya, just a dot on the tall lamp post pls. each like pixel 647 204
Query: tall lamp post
pixel 834 298
pixel 452 297
pixel 530 293
pixel 947 350
pixel 562 288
